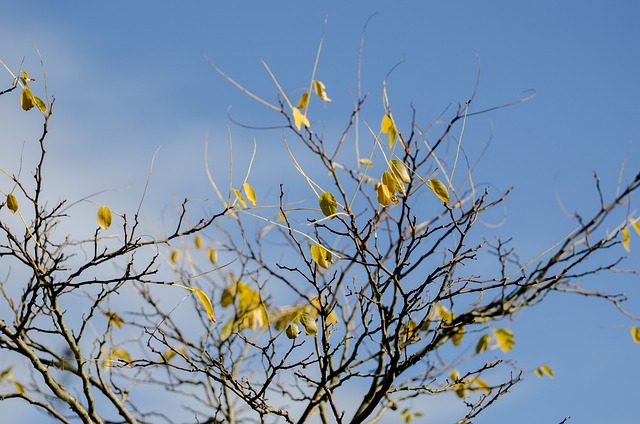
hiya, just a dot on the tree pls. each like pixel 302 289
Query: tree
pixel 338 308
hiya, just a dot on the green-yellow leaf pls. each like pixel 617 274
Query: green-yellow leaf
pixel 636 225
pixel 439 189
pixel 213 255
pixel 198 242
pixel 400 171
pixel 40 104
pixel 27 100
pixel 248 191
pixel 366 162
pixel 321 256
pixel 309 323
pixel 328 204
pixel 625 238
pixel 299 119
pixel 505 339
pixel 292 330
pixel 321 91
pixel 483 343
pixel 104 217
pixel 478 383
pixel 304 100
pixel 240 198
pixel 12 203
pixel 387 126
pixel 635 334
pixel 391 182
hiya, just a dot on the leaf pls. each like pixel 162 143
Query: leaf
pixel 391 182
pixel 213 255
pixel 321 256
pixel 104 217
pixel 505 339
pixel 384 197
pixel 251 195
pixel 8 373
pixel 175 256
pixel 198 242
pixel 479 384
pixel 321 91
pixel 120 353
pixel 299 119
pixel 546 370
pixel 457 337
pixel 483 343
pixel 292 330
pixel 445 315
pixel 636 225
pixel 40 104
pixel 304 100
pixel 309 323
pixel 114 319
pixel 206 302
pixel 635 334
pixel 19 387
pixel 27 100
pixel 227 330
pixel 387 126
pixel 400 171
pixel 240 198
pixel 328 204
pixel 625 238
pixel 365 162
pixel 12 203
pixel 439 189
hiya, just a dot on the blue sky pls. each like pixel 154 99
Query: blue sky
pixel 130 77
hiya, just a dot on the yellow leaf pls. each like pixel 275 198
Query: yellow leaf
pixel 198 242
pixel 104 217
pixel 248 191
pixel 391 182
pixel 400 171
pixel 456 338
pixel 505 339
pixel 387 126
pixel 366 162
pixel 625 238
pixel 538 372
pixel 445 315
pixel 175 255
pixel 321 91
pixel 292 330
pixel 213 255
pixel 114 319
pixel 120 353
pixel 483 343
pixel 479 384
pixel 304 100
pixel 384 197
pixel 439 189
pixel 321 256
pixel 12 203
pixel 636 225
pixel 26 99
pixel 635 334
pixel 546 370
pixel 240 198
pixel 299 119
pixel 19 387
pixel 328 204
pixel 206 302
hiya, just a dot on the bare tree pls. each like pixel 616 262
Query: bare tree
pixel 336 309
